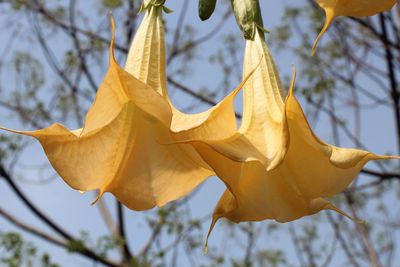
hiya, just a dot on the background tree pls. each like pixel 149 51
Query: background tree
pixel 54 55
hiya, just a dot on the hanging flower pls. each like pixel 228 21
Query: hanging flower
pixel 118 151
pixel 351 8
pixel 275 167
pixel 122 147
pixel 146 61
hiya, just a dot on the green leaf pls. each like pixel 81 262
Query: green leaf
pixel 206 8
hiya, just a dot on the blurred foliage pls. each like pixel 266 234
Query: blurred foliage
pixel 16 252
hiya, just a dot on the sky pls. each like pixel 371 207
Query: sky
pixel 68 207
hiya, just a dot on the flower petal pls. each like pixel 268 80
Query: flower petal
pixel 353 8
pixel 261 136
pixel 302 171
pixel 255 194
pixel 146 61
pixel 118 149
pixel 146 56
pixel 322 170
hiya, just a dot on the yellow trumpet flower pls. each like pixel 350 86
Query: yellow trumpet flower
pixel 351 8
pixel 118 151
pixel 146 61
pixel 275 167
pixel 121 147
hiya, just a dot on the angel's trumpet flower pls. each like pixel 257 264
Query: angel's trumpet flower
pixel 275 167
pixel 118 149
pixel 146 61
pixel 121 148
pixel 350 8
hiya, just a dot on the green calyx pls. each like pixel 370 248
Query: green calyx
pixel 147 4
pixel 248 16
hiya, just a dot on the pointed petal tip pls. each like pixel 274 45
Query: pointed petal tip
pixel 361 222
pixel 316 42
pixel 390 157
pixel 314 48
pixel 293 82
pixel 27 133
pixel 205 250
pixel 100 195
pixel 332 207
pixel 8 129
pixel 328 20
pixel 372 156
pixel 215 218
pixel 112 22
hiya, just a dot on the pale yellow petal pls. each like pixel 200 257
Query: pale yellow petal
pixel 65 152
pixel 306 169
pixel 156 173
pixel 214 124
pixel 261 136
pixel 317 168
pixel 351 8
pixel 255 194
pixel 261 130
pixel 146 61
pixel 356 8
pixel 146 56
pixel 329 16
pixel 119 151
pixel 310 171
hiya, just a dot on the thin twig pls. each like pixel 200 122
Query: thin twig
pixel 84 251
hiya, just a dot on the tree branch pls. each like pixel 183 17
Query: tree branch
pixel 31 206
pixel 84 251
pixel 392 77
pixel 127 255
pixel 53 240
